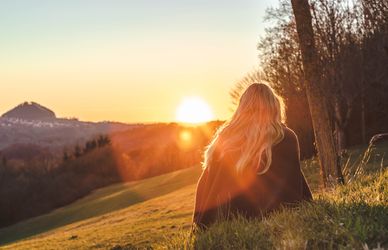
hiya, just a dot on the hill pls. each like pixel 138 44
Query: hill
pixel 30 111
pixel 33 183
pixel 156 213
pixel 32 123
pixel 143 203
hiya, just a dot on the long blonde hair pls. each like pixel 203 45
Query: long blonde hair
pixel 254 128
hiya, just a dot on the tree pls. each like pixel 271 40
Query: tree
pixel 281 62
pixel 65 156
pixel 103 140
pixel 90 146
pixel 350 44
pixel 77 151
pixel 240 86
pixel 315 95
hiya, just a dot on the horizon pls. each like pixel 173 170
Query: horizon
pixel 183 123
pixel 126 62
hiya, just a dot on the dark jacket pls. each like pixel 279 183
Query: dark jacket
pixel 222 192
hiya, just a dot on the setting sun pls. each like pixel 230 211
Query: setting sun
pixel 194 110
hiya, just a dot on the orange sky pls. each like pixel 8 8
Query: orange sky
pixel 125 60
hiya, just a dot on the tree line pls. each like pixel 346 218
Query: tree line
pixel 90 145
pixel 40 185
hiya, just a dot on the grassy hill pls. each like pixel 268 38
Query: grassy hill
pixel 156 212
pixel 118 214
pixel 354 216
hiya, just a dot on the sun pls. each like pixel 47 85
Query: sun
pixel 194 110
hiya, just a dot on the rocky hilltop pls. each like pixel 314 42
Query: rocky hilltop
pixel 30 111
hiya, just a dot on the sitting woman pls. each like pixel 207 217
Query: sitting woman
pixel 252 165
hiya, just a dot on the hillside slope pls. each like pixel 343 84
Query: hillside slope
pixel 116 208
pixel 156 213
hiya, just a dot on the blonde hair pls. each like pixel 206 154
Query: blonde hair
pixel 254 128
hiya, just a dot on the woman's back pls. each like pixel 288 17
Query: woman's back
pixel 222 191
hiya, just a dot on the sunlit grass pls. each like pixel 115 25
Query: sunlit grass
pixel 124 196
pixel 348 217
pixel 354 216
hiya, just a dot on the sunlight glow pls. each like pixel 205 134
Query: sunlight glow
pixel 194 110
pixel 185 136
pixel 185 140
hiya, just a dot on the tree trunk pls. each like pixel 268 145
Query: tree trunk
pixel 318 108
pixel 341 138
pixel 340 143
pixel 340 121
pixel 363 129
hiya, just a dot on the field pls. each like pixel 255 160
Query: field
pixel 156 213
pixel 137 213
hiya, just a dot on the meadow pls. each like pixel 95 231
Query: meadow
pixel 155 213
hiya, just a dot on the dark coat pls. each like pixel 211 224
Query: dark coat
pixel 222 192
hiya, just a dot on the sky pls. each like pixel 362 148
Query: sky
pixel 129 61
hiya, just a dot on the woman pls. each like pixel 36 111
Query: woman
pixel 252 165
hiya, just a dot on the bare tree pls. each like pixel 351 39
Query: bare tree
pixel 254 76
pixel 318 108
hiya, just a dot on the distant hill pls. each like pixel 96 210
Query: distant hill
pixel 30 111
pixel 32 123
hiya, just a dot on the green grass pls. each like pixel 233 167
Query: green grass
pixel 102 201
pixel 347 217
pixel 157 212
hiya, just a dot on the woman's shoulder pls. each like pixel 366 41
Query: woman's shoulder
pixel 288 131
pixel 290 136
